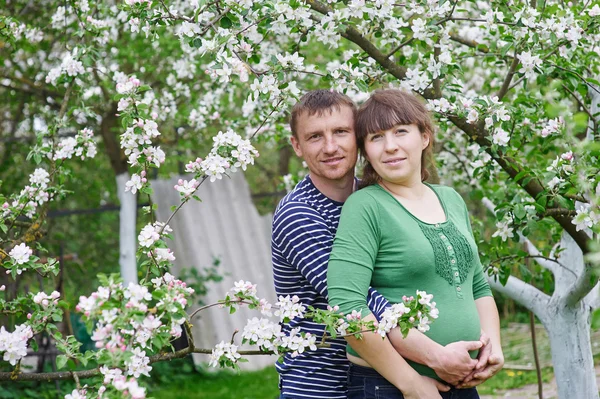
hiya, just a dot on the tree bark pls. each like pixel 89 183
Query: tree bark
pixel 569 332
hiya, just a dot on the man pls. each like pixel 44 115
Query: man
pixel 304 225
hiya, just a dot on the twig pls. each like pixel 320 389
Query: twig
pixel 593 87
pixel 213 305
pixel 406 42
pixel 581 104
pixel 509 76
pixel 267 118
pixel 181 204
pixel 233 336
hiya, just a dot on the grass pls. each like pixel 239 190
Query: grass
pixel 187 384
pixel 511 379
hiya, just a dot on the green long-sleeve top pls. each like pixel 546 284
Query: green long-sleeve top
pixel 380 243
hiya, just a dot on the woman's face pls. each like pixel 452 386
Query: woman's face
pixel 395 154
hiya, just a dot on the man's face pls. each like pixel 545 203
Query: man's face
pixel 328 144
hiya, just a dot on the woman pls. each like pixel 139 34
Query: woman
pixel 399 234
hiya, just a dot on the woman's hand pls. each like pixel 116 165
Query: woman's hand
pixel 426 388
pixel 453 363
pixel 495 362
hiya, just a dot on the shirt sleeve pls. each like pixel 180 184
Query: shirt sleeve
pixel 353 255
pixel 303 237
pixel 481 287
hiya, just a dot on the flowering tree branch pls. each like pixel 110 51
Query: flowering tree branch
pixel 511 72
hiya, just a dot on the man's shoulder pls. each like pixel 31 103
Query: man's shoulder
pixel 305 197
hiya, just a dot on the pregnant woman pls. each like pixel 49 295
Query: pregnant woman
pixel 400 234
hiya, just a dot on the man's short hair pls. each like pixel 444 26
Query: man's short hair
pixel 317 102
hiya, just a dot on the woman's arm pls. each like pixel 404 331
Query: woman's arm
pixel 452 363
pixel 380 354
pixel 491 359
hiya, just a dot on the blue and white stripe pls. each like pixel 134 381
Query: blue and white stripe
pixel 304 226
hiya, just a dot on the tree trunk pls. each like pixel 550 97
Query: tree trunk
pixel 569 332
pixel 127 231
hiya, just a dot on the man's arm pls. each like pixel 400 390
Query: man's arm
pixel 304 239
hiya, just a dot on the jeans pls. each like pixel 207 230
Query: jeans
pixel 366 383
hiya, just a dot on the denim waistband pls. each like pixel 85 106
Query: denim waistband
pixel 363 371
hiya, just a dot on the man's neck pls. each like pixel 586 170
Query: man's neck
pixel 337 190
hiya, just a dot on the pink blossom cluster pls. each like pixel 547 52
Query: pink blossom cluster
pixel 69 65
pixel 289 308
pixel 14 345
pixel 137 140
pixel 553 126
pixel 162 255
pixel 127 86
pixel 129 318
pixel 242 289
pixel 91 304
pixel 136 182
pixel 225 350
pixel 229 153
pixel 28 199
pixel 263 333
pixel 187 188
pixel 20 254
pixel 45 300
pixel 82 146
pixel 114 378
pixel 297 342
pixel 77 394
pixel 152 232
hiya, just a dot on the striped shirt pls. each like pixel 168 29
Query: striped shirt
pixel 304 226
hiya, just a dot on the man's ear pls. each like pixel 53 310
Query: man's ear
pixel 296 145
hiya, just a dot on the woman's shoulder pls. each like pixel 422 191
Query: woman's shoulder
pixel 446 192
pixel 366 197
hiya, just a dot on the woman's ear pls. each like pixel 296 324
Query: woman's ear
pixel 426 139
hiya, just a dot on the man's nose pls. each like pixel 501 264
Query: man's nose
pixel 331 145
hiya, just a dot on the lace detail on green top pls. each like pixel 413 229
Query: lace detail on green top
pixel 443 257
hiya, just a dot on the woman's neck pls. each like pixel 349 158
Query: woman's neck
pixel 411 191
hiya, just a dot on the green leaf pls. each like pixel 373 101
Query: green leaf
pixel 61 360
pixel 226 23
pixel 520 212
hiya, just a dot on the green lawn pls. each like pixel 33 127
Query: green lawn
pixel 221 385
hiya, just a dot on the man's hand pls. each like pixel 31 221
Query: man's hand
pixel 426 388
pixel 495 362
pixel 453 364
